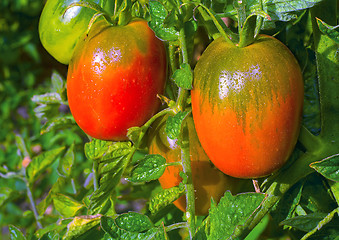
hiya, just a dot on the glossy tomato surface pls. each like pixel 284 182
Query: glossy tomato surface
pixel 247 105
pixel 114 78
pixel 208 181
pixel 59 30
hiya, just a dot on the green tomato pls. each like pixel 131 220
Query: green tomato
pixel 59 32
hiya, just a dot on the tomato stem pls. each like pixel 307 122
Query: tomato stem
pixel 308 140
pixel 32 202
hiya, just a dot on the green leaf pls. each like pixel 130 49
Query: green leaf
pixel 42 206
pixel 81 225
pixel 158 15
pixel 173 125
pixel 328 167
pixel 247 31
pixel 47 98
pixel 57 123
pixel 16 233
pixel 41 162
pixel 112 159
pixel 183 77
pixel 164 198
pixel 328 30
pixel 57 83
pixel 66 162
pixel 232 212
pixel 111 228
pixel 133 222
pixel 51 231
pixel 148 169
pixel 66 206
pixel 304 223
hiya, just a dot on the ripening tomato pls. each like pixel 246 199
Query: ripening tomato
pixel 208 181
pixel 247 105
pixel 59 30
pixel 114 77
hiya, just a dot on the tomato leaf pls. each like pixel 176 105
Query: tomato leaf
pixel 183 77
pixel 58 83
pixel 112 159
pixel 20 143
pixel 328 167
pixel 328 30
pixel 81 225
pixel 111 227
pixel 16 233
pixel 41 162
pixel 133 222
pixel 6 194
pixel 66 206
pixel 164 198
pixel 57 123
pixel 66 162
pixel 148 169
pixel 47 98
pixel 232 212
pixel 173 125
pixel 159 14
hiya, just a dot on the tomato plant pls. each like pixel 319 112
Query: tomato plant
pixel 243 97
pixel 60 30
pixel 247 105
pixel 208 181
pixel 114 78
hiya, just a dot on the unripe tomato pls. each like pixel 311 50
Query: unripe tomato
pixel 60 33
pixel 208 181
pixel 247 105
pixel 114 78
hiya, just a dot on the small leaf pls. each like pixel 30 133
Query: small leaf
pixel 66 162
pixel 66 206
pixel 16 233
pixel 133 222
pixel 304 223
pixel 173 125
pixel 150 168
pixel 41 162
pixel 158 15
pixel 47 98
pixel 232 211
pixel 57 123
pixel 81 225
pixel 164 198
pixel 21 145
pixel 328 167
pixel 183 77
pixel 57 82
pixel 328 30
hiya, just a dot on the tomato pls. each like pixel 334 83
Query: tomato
pixel 208 181
pixel 247 105
pixel 59 33
pixel 114 78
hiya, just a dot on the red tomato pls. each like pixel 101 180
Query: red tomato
pixel 247 105
pixel 208 181
pixel 114 78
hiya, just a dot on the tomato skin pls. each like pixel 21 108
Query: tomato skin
pixel 114 78
pixel 208 181
pixel 247 105
pixel 60 33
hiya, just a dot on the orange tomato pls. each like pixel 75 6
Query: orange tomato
pixel 247 105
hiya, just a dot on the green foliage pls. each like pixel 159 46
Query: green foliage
pixel 55 183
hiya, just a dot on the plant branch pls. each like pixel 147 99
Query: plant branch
pixel 32 202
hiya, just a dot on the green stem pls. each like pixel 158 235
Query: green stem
pixel 32 202
pixel 185 151
pixel 308 140
pixel 95 175
pixel 176 226
pixel 189 187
